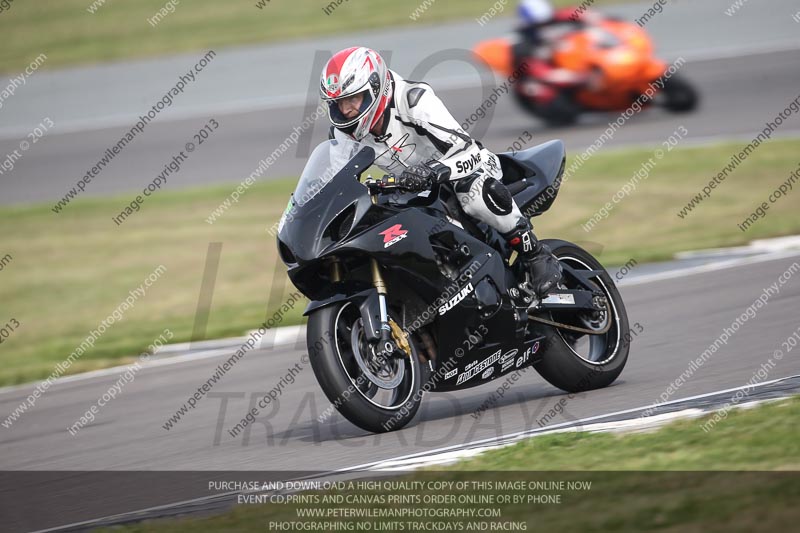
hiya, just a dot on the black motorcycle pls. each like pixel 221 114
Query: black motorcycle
pixel 409 295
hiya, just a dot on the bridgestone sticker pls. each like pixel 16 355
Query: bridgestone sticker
pixel 492 359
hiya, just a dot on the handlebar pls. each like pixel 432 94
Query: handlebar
pixel 388 182
pixel 377 186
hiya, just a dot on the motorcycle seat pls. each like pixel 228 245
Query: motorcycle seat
pixel 540 162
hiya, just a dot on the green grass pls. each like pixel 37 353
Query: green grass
pixel 645 225
pixel 676 479
pixel 68 34
pixel 753 439
pixel 70 271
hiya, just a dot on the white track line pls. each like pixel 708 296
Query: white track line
pixel 152 363
pixel 711 267
pixel 499 441
pixel 449 452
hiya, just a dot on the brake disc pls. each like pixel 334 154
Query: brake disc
pixel 386 373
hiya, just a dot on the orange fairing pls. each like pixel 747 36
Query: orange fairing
pixel 655 69
pixel 614 60
pixel 633 36
pixel 574 52
pixel 496 53
pixel 620 49
pixel 617 55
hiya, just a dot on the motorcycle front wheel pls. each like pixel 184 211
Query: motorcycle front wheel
pixel 375 393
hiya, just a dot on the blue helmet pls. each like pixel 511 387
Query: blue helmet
pixel 535 11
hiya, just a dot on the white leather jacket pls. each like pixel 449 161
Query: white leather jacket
pixel 419 129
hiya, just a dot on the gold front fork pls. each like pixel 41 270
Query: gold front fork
pixel 388 325
pixel 377 277
pixel 380 286
pixel 336 271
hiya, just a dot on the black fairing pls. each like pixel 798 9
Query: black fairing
pixel 422 255
pixel 309 228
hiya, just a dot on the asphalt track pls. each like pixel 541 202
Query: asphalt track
pixel 680 318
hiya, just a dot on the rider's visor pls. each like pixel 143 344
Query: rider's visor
pixel 348 110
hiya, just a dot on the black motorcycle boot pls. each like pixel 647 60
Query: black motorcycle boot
pixel 543 266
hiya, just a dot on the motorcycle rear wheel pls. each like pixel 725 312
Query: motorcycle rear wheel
pixel 562 363
pixel 679 95
pixel 561 111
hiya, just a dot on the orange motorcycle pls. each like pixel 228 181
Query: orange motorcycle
pixel 607 65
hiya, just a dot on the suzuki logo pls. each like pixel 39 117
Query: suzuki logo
pixel 456 299
pixel 393 235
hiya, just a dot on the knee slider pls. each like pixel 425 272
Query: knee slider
pixel 497 197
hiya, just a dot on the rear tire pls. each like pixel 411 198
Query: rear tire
pixel 561 111
pixel 561 365
pixel 679 95
pixel 344 383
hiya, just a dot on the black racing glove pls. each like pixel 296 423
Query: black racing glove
pixel 422 177
pixel 416 178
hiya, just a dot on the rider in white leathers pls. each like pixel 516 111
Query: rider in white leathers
pixel 416 136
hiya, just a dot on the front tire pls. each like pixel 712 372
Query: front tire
pixel 562 364
pixel 334 344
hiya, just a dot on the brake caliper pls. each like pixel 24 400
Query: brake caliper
pixel 400 337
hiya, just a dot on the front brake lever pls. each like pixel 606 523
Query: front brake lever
pixel 385 184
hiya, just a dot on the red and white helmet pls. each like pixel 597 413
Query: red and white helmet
pixel 352 71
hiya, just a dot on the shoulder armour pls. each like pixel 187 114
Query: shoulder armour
pixel 414 95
